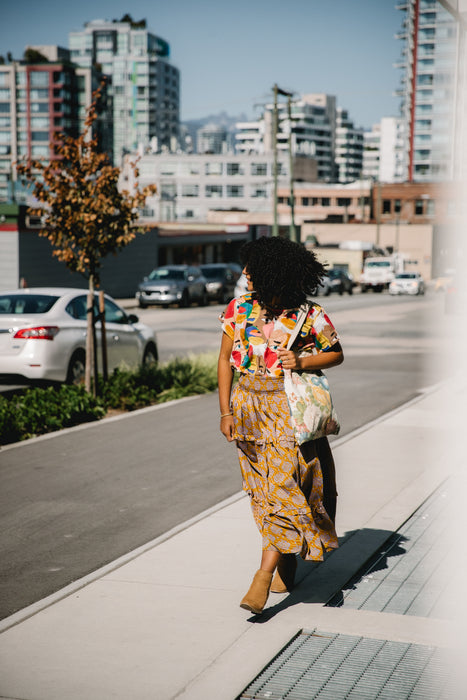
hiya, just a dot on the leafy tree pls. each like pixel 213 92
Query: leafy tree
pixel 86 216
pixel 33 56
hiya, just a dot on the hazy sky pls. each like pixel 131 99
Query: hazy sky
pixel 230 54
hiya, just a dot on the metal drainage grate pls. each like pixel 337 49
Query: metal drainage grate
pixel 408 575
pixel 329 666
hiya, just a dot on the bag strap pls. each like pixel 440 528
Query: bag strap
pixel 301 318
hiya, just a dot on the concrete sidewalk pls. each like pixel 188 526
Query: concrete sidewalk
pixel 164 622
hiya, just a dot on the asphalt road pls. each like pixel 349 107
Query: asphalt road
pixel 75 501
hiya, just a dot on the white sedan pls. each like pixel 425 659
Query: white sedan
pixel 43 334
pixel 407 283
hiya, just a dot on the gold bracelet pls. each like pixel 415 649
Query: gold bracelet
pixel 223 415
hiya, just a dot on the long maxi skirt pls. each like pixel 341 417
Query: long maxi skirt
pixel 283 480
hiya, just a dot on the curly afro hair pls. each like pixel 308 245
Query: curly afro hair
pixel 283 273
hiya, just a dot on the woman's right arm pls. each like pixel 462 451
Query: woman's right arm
pixel 224 381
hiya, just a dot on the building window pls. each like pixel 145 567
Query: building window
pixel 5 122
pixel 40 151
pixel 213 168
pixel 234 169
pixel 40 107
pixel 39 122
pixel 42 94
pixel 419 207
pixel 325 202
pixel 39 135
pixel 4 107
pixel 343 201
pixel 234 190
pixel 190 190
pixel 5 136
pixel 259 169
pixel 259 192
pixel 213 190
pixel 430 207
pixel 397 206
pixel 305 201
pixel 39 78
pixel 386 206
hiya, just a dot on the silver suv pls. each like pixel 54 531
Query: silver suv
pixel 172 284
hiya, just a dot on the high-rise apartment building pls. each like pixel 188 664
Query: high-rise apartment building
pixel 429 96
pixel 144 85
pixel 383 151
pixel 315 120
pixel 349 148
pixel 43 94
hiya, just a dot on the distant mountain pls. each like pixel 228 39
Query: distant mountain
pixel 191 126
pixel 221 119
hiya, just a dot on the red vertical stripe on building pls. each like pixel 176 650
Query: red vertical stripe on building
pixel 414 88
pixel 28 109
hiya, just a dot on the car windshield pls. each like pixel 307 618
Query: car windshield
pixel 406 276
pixel 212 273
pixel 26 303
pixel 167 274
pixel 334 273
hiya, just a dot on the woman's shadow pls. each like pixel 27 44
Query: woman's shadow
pixel 305 590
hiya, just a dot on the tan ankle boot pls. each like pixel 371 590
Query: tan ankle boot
pixel 284 577
pixel 257 595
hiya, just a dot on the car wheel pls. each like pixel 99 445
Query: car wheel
pixel 150 356
pixel 142 305
pixel 76 368
pixel 350 290
pixel 185 300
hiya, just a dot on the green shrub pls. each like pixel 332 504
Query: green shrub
pixel 131 389
pixel 41 410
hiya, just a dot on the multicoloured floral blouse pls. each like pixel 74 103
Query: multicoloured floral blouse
pixel 255 339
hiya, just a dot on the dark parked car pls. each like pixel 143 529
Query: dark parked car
pixel 173 284
pixel 339 281
pixel 221 280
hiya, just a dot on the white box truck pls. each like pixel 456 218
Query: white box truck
pixel 379 271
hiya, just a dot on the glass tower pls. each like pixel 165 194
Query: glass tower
pixel 144 85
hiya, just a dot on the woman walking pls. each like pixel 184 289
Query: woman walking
pixel 291 487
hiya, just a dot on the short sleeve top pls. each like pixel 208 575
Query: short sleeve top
pixel 256 340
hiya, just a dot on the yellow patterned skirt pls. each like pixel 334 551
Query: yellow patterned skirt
pixel 283 480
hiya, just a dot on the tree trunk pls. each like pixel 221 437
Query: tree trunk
pixel 90 337
pixel 105 373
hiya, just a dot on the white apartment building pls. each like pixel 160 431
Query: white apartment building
pixel 191 185
pixel 349 148
pixel 313 132
pixel 383 150
pixel 212 138
pixel 144 86
pixel 431 55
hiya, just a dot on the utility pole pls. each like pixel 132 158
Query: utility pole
pixel 275 228
pixel 378 212
pixel 275 128
pixel 292 230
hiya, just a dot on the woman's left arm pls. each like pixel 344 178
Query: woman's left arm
pixel 323 360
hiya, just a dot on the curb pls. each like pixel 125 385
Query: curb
pixel 80 583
